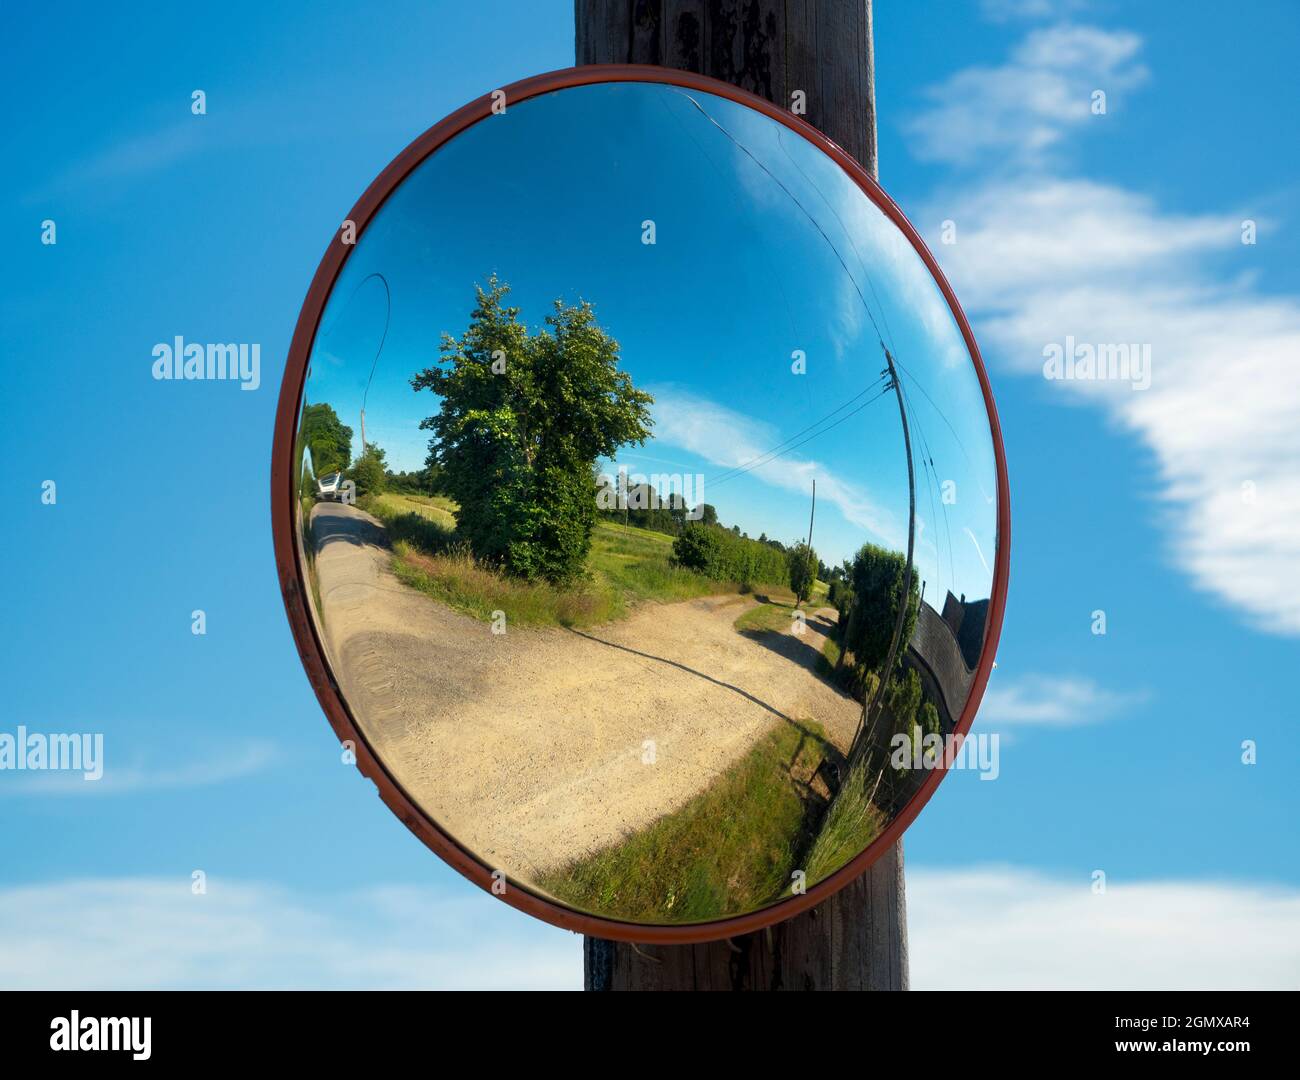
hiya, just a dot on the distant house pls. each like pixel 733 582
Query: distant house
pixel 944 651
pixel 966 620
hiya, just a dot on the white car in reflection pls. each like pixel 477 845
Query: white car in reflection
pixel 330 487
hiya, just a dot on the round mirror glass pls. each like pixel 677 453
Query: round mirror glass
pixel 624 415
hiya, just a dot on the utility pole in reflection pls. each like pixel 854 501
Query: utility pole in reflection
pixel 815 58
pixel 812 513
pixel 861 738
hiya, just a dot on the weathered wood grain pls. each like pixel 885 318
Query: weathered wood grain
pixel 772 48
pixel 857 940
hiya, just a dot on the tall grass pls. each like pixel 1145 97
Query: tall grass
pixel 418 531
pixel 733 847
pixel 308 526
pixel 626 565
pixel 435 508
pixel 456 579
pixel 831 650
pixel 428 556
pixel 850 824
pixel 730 849
pixel 772 614
pixel 637 563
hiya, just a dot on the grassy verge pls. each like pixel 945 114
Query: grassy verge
pixel 775 614
pixel 851 823
pixel 730 849
pixel 455 579
pixel 830 655
pixel 441 511
pixel 772 613
pixel 626 565
pixel 635 563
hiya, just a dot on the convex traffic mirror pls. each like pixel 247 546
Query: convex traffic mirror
pixel 639 504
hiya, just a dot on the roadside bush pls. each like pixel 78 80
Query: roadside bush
pixel 306 488
pixel 699 548
pixel 859 680
pixel 368 471
pixel 522 419
pixel 722 555
pixel 803 571
pixel 927 723
pixel 928 718
pixel 876 579
pixel 902 699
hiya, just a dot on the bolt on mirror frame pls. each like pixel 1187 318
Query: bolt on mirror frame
pixel 292 580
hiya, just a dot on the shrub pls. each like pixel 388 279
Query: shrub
pixel 927 723
pixel 367 471
pixel 724 556
pixel 699 548
pixel 522 419
pixel 860 681
pixel 877 583
pixel 803 571
pixel 902 699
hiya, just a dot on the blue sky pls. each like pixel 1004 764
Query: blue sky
pixel 741 278
pixel 1120 752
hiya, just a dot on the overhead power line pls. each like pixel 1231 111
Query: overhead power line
pixel 772 456
pixel 746 465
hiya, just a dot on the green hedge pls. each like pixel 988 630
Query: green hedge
pixel 720 554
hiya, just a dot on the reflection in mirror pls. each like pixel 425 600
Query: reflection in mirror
pixel 625 416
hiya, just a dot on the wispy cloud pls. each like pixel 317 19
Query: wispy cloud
pixel 1001 928
pixel 1008 10
pixel 131 933
pixel 1042 255
pixel 1020 110
pixel 1049 701
pixel 726 438
pixel 133 156
pixel 139 774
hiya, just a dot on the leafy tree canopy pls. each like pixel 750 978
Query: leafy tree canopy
pixel 803 570
pixel 522 419
pixel 327 438
pixel 876 580
pixel 369 471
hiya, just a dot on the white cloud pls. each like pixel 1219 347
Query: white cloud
pixel 129 933
pixel 1048 701
pixel 130 158
pixel 726 438
pixel 1042 234
pixel 1012 929
pixel 887 274
pixel 1019 111
pixel 229 763
pixel 1006 10
pixel 972 928
pixel 1040 257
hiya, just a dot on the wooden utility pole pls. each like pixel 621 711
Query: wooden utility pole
pixel 896 640
pixel 817 53
pixel 812 513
